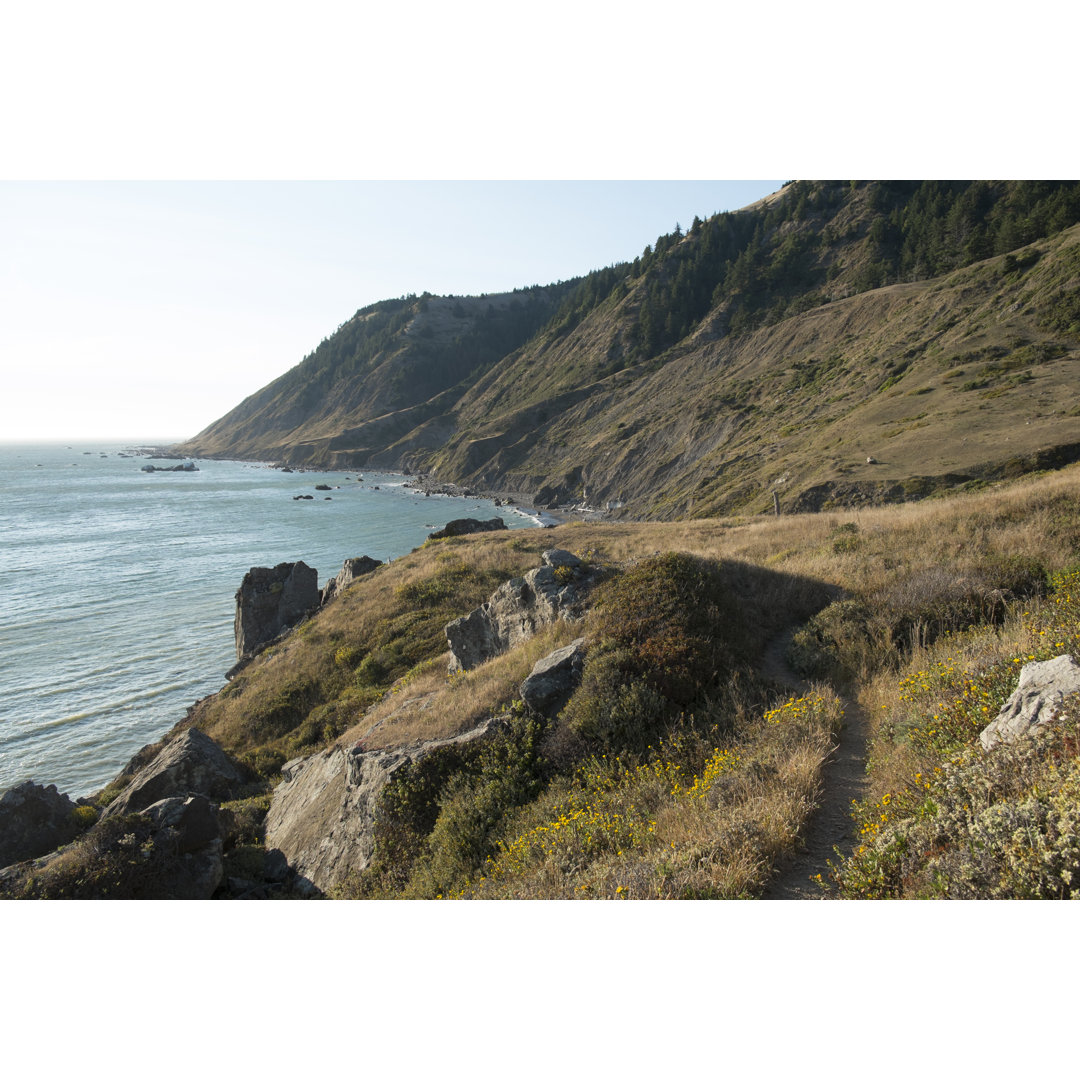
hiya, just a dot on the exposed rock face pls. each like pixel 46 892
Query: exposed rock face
pixel 269 600
pixel 1035 701
pixel 518 609
pixel 465 526
pixel 554 678
pixel 189 843
pixel 171 851
pixel 34 820
pixel 322 815
pixel 192 763
pixel 352 569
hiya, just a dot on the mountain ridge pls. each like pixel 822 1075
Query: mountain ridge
pixel 767 350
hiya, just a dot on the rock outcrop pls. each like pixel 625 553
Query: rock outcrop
pixel 34 820
pixel 322 815
pixel 172 850
pixel 1035 701
pixel 554 678
pixel 518 609
pixel 188 845
pixel 190 764
pixel 271 599
pixel 352 569
pixel 466 526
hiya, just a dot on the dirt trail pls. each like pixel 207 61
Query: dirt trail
pixel 844 779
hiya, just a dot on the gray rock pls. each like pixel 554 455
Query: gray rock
pixel 1035 701
pixel 194 820
pixel 517 610
pixel 554 678
pixel 322 816
pixel 270 600
pixel 275 866
pixel 176 854
pixel 188 842
pixel 466 526
pixel 191 763
pixel 559 557
pixel 352 569
pixel 34 820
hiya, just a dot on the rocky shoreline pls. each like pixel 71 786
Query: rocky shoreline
pixel 160 830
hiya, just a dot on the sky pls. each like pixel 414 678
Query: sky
pixel 145 310
pixel 190 201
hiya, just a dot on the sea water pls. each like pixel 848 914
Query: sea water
pixel 117 586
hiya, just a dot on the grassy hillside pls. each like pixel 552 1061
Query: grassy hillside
pixel 932 327
pixel 682 767
pixel 380 376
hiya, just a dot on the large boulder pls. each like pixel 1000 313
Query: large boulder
pixel 352 569
pixel 553 679
pixel 189 764
pixel 466 526
pixel 188 844
pixel 34 820
pixel 1035 701
pixel 271 599
pixel 518 609
pixel 322 814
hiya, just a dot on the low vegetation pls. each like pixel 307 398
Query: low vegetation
pixel 946 818
pixel 678 768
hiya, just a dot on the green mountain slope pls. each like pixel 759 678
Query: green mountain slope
pixel 931 327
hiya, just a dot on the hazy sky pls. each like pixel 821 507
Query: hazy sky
pixel 146 310
pixel 151 281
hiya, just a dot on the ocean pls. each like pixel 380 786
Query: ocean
pixel 117 586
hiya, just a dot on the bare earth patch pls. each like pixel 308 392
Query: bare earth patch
pixel 844 780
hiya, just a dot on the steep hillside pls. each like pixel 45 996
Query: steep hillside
pixel 838 343
pixel 382 375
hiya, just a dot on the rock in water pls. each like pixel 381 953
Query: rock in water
pixel 269 600
pixel 34 820
pixel 466 526
pixel 1041 689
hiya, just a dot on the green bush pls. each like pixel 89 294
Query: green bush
pixel 442 814
pixel 665 633
pixel 117 859
pixel 856 636
pixel 85 816
pixel 610 710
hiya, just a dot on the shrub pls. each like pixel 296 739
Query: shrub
pixel 856 636
pixel 441 813
pixel 85 816
pixel 117 859
pixel 1003 825
pixel 666 631
pixel 611 706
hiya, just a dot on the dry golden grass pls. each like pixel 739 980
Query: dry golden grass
pixel 1034 519
pixel 891 713
pixel 436 705
pixel 727 843
pixel 662 831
